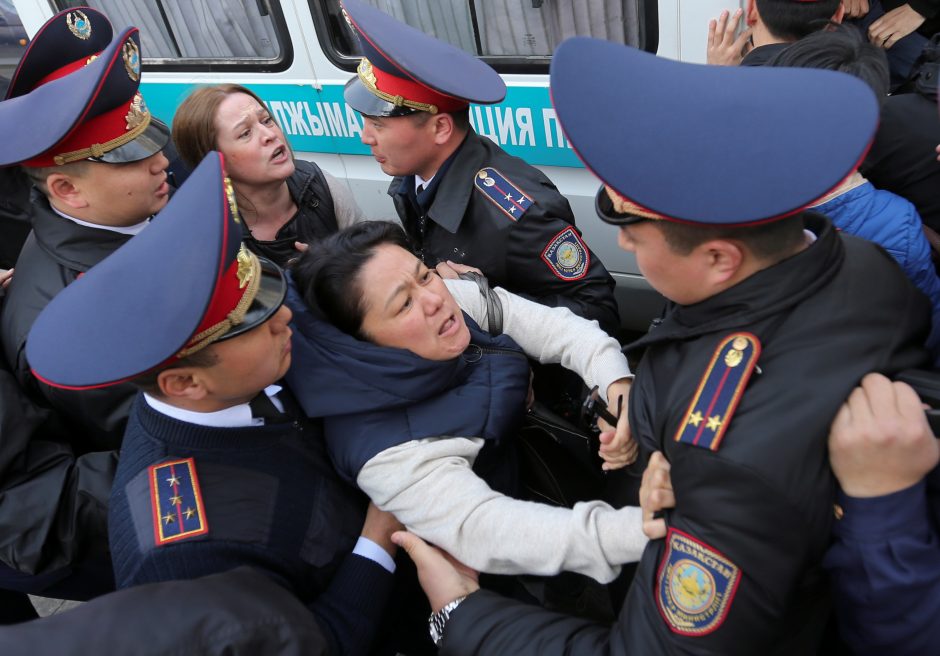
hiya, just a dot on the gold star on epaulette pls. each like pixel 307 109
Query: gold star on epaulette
pixel 713 423
pixel 173 480
pixel 189 512
pixel 696 418
pixel 168 519
pixel 176 501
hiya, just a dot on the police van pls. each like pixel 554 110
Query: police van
pixel 298 54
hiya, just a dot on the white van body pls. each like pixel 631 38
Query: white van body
pixel 294 62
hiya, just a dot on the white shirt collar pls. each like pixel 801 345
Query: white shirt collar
pixel 237 416
pixel 421 181
pixel 124 230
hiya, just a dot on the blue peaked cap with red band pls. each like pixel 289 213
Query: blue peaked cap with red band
pixel 89 108
pixel 185 282
pixel 409 65
pixel 69 36
pixel 726 145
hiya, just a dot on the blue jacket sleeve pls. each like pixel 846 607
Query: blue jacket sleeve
pixel 350 610
pixel 885 565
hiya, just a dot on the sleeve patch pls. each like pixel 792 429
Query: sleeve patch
pixel 709 415
pixel 695 585
pixel 567 256
pixel 178 510
pixel 501 192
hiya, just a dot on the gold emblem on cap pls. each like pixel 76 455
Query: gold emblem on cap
pixel 245 267
pixel 734 357
pixel 137 112
pixel 739 343
pixel 367 77
pixel 79 25
pixel 131 55
pixel 230 196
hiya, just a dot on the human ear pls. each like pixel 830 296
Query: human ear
pixel 182 383
pixel 723 260
pixel 443 126
pixel 62 188
pixel 751 15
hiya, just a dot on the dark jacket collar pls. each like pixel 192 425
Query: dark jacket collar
pixel 760 55
pixel 74 246
pixel 452 185
pixel 764 294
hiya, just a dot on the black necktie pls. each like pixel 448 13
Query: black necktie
pixel 262 407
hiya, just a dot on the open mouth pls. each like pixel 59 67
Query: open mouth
pixel 448 326
pixel 278 153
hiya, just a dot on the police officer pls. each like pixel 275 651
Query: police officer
pixel 76 123
pixel 774 317
pixel 216 470
pixel 460 197
pixel 83 134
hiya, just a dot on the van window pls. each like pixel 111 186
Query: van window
pixel 12 41
pixel 513 33
pixel 195 33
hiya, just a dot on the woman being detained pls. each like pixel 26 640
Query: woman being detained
pixel 417 400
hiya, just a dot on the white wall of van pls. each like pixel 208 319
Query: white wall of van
pixel 297 55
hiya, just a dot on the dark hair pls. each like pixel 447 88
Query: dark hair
pixel 327 275
pixel 771 241
pixel 194 131
pixel 790 20
pixel 200 359
pixel 840 49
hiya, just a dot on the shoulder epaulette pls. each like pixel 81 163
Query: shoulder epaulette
pixel 719 392
pixel 178 509
pixel 501 192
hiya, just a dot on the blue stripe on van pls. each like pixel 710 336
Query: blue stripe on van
pixel 320 121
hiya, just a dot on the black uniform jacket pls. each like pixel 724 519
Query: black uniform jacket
pixel 56 468
pixel 739 572
pixel 55 254
pixel 524 248
pixel 238 612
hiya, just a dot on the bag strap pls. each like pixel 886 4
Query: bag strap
pixel 494 307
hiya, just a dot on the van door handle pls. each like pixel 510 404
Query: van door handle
pixel 263 8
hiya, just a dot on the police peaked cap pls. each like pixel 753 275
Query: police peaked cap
pixel 86 109
pixel 403 70
pixel 730 145
pixel 71 36
pixel 182 284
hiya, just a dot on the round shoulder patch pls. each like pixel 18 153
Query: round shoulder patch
pixel 695 585
pixel 567 256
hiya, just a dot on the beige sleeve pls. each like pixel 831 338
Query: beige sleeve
pixel 550 334
pixel 429 486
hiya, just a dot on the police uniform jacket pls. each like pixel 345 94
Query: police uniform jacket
pixel 528 245
pixel 56 253
pixel 739 571
pixel 191 500
pixel 241 612
pixel 885 566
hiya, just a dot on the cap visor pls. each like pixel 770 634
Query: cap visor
pixel 148 142
pixel 270 297
pixel 605 210
pixel 368 104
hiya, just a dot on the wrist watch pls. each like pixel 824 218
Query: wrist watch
pixel 437 620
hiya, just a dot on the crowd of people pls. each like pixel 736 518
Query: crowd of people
pixel 239 416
